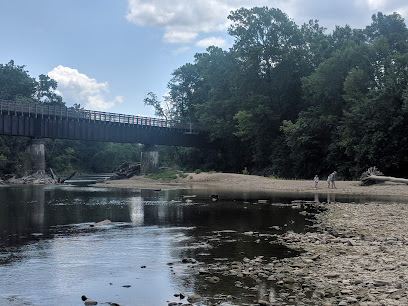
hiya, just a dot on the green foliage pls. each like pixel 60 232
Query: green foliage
pixel 292 101
pixel 65 156
pixel 245 171
pixel 167 175
pixel 15 158
pixel 152 100
pixel 15 83
pixel 45 91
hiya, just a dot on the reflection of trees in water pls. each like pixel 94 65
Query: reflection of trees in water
pixel 21 214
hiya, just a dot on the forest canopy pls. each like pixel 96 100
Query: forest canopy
pixel 293 101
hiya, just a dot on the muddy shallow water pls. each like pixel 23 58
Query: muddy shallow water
pixel 49 254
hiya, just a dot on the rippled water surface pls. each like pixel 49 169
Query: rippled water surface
pixel 50 255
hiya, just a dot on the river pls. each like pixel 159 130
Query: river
pixel 50 254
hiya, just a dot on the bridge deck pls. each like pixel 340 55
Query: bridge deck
pixel 49 121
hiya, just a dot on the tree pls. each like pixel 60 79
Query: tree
pixel 46 91
pixel 374 130
pixel 15 83
pixel 181 95
pixel 152 100
pixel 309 141
pixel 392 27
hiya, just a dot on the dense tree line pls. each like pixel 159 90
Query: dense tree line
pixel 293 101
pixel 62 156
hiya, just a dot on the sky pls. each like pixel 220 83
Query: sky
pixel 107 55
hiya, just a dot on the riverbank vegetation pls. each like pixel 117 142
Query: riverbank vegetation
pixel 285 100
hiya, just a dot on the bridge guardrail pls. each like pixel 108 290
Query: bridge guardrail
pixel 36 109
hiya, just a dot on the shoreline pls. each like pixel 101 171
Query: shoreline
pixel 258 183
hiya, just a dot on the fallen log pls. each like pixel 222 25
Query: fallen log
pixel 69 177
pixel 54 177
pixel 101 223
pixel 374 176
pixel 126 170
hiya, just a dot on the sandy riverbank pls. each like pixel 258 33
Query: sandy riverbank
pixel 252 182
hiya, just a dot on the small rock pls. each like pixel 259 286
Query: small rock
pixel 332 275
pixel 379 283
pixel 396 294
pixel 194 298
pixel 289 280
pixel 88 301
pixel 213 279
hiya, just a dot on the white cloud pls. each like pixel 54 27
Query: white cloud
pixel 76 87
pixel 179 36
pixel 212 41
pixel 183 20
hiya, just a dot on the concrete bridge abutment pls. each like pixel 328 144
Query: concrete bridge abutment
pixel 37 153
pixel 149 161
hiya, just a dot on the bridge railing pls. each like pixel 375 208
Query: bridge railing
pixel 36 109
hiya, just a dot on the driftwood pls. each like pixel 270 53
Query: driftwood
pixel 126 170
pixel 374 176
pixel 54 177
pixel 68 178
pixel 101 223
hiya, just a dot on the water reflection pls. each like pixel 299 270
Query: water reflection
pixel 331 198
pixel 45 235
pixel 136 211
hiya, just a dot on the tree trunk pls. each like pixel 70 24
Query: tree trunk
pixel 70 177
pixel 373 176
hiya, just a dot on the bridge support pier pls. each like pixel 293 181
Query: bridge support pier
pixel 149 161
pixel 37 153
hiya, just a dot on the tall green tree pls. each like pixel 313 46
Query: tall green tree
pixel 46 91
pixel 15 83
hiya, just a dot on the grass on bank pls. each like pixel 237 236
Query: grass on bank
pixel 172 174
pixel 167 175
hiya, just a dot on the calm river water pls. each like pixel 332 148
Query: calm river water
pixel 50 255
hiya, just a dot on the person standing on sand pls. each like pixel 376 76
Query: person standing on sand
pixel 333 180
pixel 329 180
pixel 316 180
